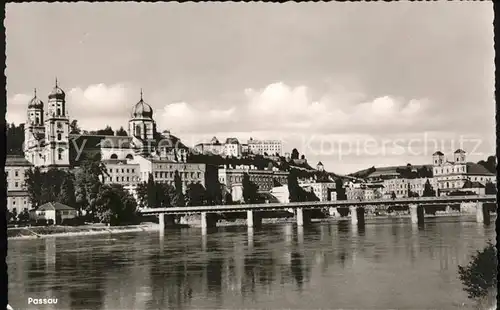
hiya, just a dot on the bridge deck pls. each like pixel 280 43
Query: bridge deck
pixel 319 204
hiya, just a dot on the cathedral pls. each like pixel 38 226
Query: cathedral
pixel 49 141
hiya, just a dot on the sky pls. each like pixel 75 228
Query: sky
pixel 352 85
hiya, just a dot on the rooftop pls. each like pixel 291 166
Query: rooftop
pixel 54 206
pixel 17 161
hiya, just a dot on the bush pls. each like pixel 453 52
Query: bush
pixel 480 275
pixel 50 222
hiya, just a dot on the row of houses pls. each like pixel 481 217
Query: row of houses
pixel 233 148
pixel 444 175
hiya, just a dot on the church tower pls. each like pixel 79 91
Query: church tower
pixel 142 126
pixel 57 129
pixel 34 132
pixel 460 156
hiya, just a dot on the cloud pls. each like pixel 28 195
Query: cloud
pixel 340 127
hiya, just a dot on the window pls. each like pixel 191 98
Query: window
pixel 127 170
pixel 14 201
pixel 16 184
pixel 59 136
pixel 117 179
pixel 16 173
pixel 133 170
pixel 58 111
pixel 113 156
pixel 128 179
pixel 59 154
pixel 123 170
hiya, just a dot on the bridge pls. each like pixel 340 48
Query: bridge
pixel 357 209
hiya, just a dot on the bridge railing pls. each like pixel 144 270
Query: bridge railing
pixel 318 204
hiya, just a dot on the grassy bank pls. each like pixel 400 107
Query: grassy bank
pixel 59 231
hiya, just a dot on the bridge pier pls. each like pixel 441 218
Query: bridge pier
pixel 161 221
pixel 302 217
pixel 253 219
pixel 357 215
pixel 482 213
pixel 207 221
pixel 416 214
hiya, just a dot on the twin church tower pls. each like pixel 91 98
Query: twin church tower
pixel 47 136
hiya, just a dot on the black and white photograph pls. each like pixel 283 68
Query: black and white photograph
pixel 250 155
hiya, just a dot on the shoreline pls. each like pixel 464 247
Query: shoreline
pixel 72 231
pixel 37 232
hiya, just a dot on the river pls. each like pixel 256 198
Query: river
pixel 387 265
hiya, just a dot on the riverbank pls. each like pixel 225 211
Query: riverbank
pixel 36 232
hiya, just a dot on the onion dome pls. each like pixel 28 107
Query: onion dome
pixel 57 93
pixel 142 109
pixel 35 102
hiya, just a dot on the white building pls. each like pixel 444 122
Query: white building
pixel 264 179
pixel 322 190
pixel 214 147
pixel 270 147
pixel 451 175
pixel 232 148
pixel 281 193
pixel 17 195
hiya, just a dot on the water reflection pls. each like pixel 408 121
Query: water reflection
pixel 329 261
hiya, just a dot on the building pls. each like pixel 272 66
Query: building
pixel 418 185
pixel 120 172
pixel 322 190
pixel 49 142
pixel 17 194
pixel 365 192
pixel 265 179
pixel 232 148
pixel 281 193
pixel 451 175
pixel 163 171
pixel 261 147
pixel 55 211
pixel 214 147
pixel 474 186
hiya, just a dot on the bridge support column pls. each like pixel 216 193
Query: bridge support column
pixel 482 213
pixel 357 215
pixel 302 217
pixel 253 219
pixel 207 221
pixel 161 221
pixel 416 214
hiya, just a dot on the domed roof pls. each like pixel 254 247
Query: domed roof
pixel 57 93
pixel 35 102
pixel 142 109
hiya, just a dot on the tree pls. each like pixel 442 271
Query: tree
pixel 15 139
pixel 67 193
pixel 393 195
pixel 480 274
pixel 195 195
pixel 108 131
pixel 88 182
pixel 428 190
pixel 294 189
pixel 164 194
pixel 151 192
pixel 33 180
pixel 250 190
pixel 142 194
pixel 490 188
pixel 412 194
pixel 121 132
pixel 213 186
pixel 339 186
pixel 115 205
pixel 295 154
pixel 73 127
pixel 178 197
